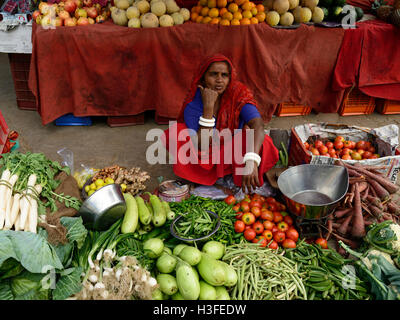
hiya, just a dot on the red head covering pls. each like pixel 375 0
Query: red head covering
pixel 235 96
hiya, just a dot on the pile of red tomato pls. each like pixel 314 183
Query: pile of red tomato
pixel 344 149
pixel 264 221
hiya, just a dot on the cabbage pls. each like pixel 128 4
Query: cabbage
pixel 29 286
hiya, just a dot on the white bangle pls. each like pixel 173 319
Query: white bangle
pixel 212 120
pixel 252 156
pixel 207 124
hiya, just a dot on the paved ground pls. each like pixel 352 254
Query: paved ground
pixel 100 145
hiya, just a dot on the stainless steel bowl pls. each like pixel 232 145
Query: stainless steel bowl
pixel 103 207
pixel 313 191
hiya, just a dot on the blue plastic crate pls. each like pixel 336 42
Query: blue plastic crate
pixel 71 120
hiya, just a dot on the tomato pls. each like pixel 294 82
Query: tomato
pixel 255 203
pixel 244 202
pixel 272 207
pixel 268 225
pixel 279 236
pixel 314 151
pixel 288 243
pixel 249 234
pixel 245 207
pixel 258 227
pixel 306 145
pixel 288 220
pixel 292 234
pixel 239 226
pixel 236 207
pixel 347 144
pixel 267 215
pixel 323 149
pixel 239 215
pixel 283 207
pixel 366 155
pixel 270 200
pixel 345 151
pixel 283 226
pixel 374 156
pixel 277 217
pixel 355 156
pixel 361 145
pixel 247 227
pixel 263 242
pixel 230 200
pixel 371 149
pixel 256 197
pixel 352 145
pixel 338 145
pixel 347 157
pixel 268 235
pixel 332 152
pixel 318 144
pixel 248 218
pixel 274 229
pixel 339 138
pixel 329 144
pixel 273 245
pixel 256 211
pixel 322 242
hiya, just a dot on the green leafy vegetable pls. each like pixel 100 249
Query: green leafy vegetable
pixel 29 286
pixel 68 284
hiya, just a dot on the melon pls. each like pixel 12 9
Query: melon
pixel 172 7
pixel 286 19
pixel 178 18
pixel 149 20
pixel 281 6
pixel 311 3
pixel 317 15
pixel 305 15
pixel 296 14
pixel 272 18
pixel 268 4
pixel 185 13
pixel 119 17
pixel 130 2
pixel 293 4
pixel 122 4
pixel 143 6
pixel 166 21
pixel 132 12
pixel 159 8
pixel 134 23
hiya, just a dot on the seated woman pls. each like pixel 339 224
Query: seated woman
pixel 217 101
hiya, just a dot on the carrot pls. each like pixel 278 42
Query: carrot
pixel 341 213
pixel 351 193
pixel 365 194
pixel 330 227
pixel 385 182
pixel 345 225
pixel 381 192
pixel 393 208
pixel 378 213
pixel 372 190
pixel 353 180
pixel 372 167
pixel 358 228
pixel 362 186
pixel 368 222
pixel 353 244
pixel 374 201
pixel 335 225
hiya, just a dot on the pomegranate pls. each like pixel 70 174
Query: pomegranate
pixel 80 13
pixel 83 21
pixel 70 22
pixel 87 3
pixel 64 15
pixel 92 12
pixel 70 6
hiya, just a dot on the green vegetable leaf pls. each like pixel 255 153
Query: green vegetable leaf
pixel 30 249
pixel 10 268
pixel 68 284
pixel 29 286
pixel 5 291
pixel 76 230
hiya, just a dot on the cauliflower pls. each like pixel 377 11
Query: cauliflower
pixel 373 255
pixel 396 243
pixel 385 237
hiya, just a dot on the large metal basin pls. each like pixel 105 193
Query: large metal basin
pixel 103 207
pixel 313 191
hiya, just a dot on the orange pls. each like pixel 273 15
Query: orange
pixel 245 21
pixel 253 5
pixel 212 3
pixel 203 3
pixel 199 19
pixel 235 22
pixel 197 9
pixel 237 15
pixel 253 20
pixel 193 16
pixel 240 2
pixel 233 7
pixel 247 6
pixel 247 14
pixel 213 13
pixel 206 20
pixel 260 8
pixel 214 21
pixel 240 10
pixel 204 11
pixel 228 16
pixel 261 16
pixel 225 22
pixel 222 11
pixel 221 3
pixel 254 11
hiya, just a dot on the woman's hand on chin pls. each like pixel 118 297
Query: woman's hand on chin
pixel 251 181
pixel 209 98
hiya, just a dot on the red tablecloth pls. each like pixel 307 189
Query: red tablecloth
pixel 370 59
pixel 107 70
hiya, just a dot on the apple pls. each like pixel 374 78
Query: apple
pixel 87 3
pixel 70 22
pixel 70 6
pixel 64 15
pixel 92 12
pixel 35 14
pixel 58 22
pixel 80 13
pixel 83 21
pixel 79 3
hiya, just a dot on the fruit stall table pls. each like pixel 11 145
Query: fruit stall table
pixel 108 70
pixel 369 59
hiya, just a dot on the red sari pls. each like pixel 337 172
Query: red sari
pixel 205 171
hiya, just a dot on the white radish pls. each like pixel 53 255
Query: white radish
pixel 24 205
pixel 7 223
pixel 26 202
pixel 17 222
pixel 15 209
pixel 33 213
pixel 3 196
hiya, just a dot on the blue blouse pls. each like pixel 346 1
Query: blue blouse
pixel 194 110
